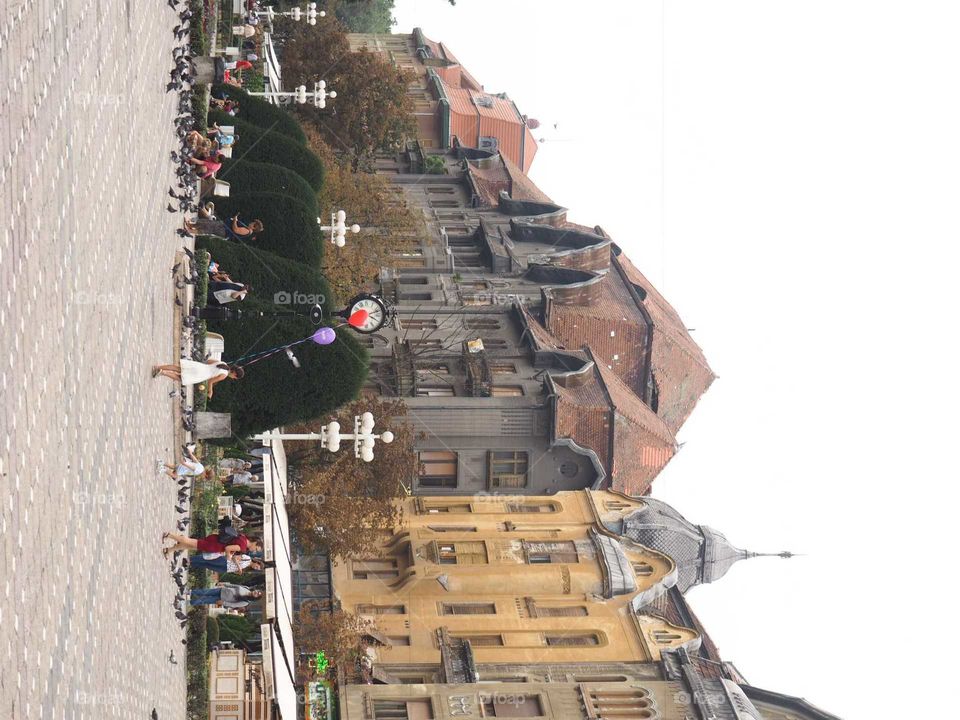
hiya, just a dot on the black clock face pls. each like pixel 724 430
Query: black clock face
pixel 376 313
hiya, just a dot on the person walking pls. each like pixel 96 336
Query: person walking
pixel 191 372
pixel 213 544
pixel 218 563
pixel 226 595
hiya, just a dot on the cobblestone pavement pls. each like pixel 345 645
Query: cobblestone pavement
pixel 86 307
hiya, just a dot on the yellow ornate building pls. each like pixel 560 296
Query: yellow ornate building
pixel 550 607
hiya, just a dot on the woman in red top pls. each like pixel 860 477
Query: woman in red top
pixel 211 544
pixel 210 165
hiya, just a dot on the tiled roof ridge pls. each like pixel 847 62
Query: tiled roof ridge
pixel 627 403
pixel 681 336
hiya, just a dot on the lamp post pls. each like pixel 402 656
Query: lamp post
pixel 338 228
pixel 318 96
pixel 310 14
pixel 330 436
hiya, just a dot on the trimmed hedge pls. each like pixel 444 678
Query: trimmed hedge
pixel 273 392
pixel 248 176
pixel 290 226
pixel 258 145
pixel 260 112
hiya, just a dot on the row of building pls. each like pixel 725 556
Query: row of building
pixel 533 575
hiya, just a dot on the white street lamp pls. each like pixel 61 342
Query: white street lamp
pixel 320 94
pixel 300 95
pixel 330 436
pixel 310 14
pixel 338 228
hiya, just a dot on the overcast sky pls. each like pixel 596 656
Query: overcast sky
pixel 787 174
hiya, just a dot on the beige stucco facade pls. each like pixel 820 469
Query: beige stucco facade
pixel 524 579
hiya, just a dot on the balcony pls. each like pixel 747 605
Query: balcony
pixel 479 378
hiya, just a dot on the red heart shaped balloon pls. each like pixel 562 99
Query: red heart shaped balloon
pixel 358 318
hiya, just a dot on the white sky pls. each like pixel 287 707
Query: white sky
pixel 788 175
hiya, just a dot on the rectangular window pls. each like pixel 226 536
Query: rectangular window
pixel 501 367
pixel 561 611
pixel 446 508
pixel 530 507
pixel 440 190
pixel 451 528
pixel 480 323
pixel 436 391
pixel 509 705
pixel 438 468
pixel 399 640
pixel 481 299
pixel 419 324
pixel 482 640
pixel 427 370
pixel 414 280
pixel 409 262
pixel 462 553
pixel 425 344
pixel 381 610
pixel 550 552
pixel 495 343
pixel 505 390
pixel 468 609
pixel 570 639
pixel 438 203
pixel 415 296
pixel 420 709
pixel 507 469
pixel 373 568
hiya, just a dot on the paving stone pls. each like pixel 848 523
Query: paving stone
pixel 86 308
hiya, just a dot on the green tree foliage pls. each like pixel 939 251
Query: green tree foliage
pixel 360 501
pixel 258 145
pixel 290 226
pixel 245 176
pixel 365 16
pixel 375 113
pixel 260 112
pixel 273 392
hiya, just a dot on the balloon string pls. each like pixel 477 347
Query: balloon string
pixel 263 354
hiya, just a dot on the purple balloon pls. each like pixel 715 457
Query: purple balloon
pixel 324 336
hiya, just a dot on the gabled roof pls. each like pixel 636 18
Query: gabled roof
pixel 469 119
pixel 678 364
pixel 642 443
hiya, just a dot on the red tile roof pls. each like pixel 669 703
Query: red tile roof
pixel 612 327
pixel 642 443
pixel 679 366
pixel 469 121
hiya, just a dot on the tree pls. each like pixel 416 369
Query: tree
pixel 340 635
pixel 272 392
pixel 344 505
pixel 365 16
pixel 389 225
pixel 374 112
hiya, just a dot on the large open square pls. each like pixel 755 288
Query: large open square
pixel 86 307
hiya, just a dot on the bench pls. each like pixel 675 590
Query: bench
pixel 213 346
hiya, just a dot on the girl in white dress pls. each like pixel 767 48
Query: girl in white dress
pixel 191 372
